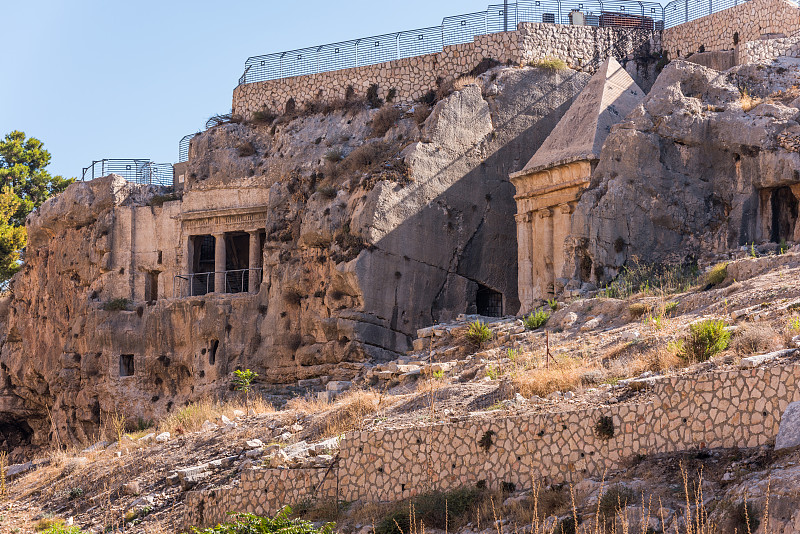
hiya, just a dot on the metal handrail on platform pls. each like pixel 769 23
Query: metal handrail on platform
pixel 198 284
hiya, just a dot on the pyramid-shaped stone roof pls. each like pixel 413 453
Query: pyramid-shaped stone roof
pixel 607 99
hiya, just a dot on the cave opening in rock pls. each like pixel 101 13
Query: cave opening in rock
pixel 151 286
pixel 783 204
pixel 14 433
pixel 126 365
pixel 489 302
pixel 212 352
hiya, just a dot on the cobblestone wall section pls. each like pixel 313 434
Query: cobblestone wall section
pixel 413 77
pixel 714 409
pixel 769 49
pixel 579 45
pixel 751 20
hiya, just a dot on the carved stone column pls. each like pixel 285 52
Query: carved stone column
pixel 524 261
pixel 254 262
pixel 219 263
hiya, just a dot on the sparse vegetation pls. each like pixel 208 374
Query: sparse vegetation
pixel 604 427
pixel 706 339
pixel 385 119
pixel 373 99
pixel 716 275
pixel 327 192
pixel 478 332
pixel 253 524
pixel 616 498
pixel 536 320
pixel 746 100
pixel 118 304
pixel 264 116
pixel 158 200
pixel 243 381
pixel 433 510
pixel 550 63
pixel 553 304
pixel 421 112
pixel 464 81
pixel 333 155
pixel 755 338
pixel 649 279
pixel 191 417
pixel 349 412
pixel 246 149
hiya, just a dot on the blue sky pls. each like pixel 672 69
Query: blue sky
pixel 121 79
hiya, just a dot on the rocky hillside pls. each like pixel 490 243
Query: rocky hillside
pixel 708 163
pixel 379 222
pixel 603 350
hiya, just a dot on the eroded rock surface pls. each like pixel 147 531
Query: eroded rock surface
pixel 356 255
pixel 703 166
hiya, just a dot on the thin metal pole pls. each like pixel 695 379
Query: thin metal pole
pixel 505 16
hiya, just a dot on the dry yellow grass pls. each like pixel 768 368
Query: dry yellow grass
pixel 347 413
pixel 464 81
pixel 748 102
pixel 563 374
pixel 755 338
pixel 190 418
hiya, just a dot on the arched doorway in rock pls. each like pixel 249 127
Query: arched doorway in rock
pixel 488 302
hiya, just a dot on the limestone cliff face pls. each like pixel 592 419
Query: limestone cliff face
pixel 356 255
pixel 691 173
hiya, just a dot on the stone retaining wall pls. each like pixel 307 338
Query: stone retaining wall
pixel 769 49
pixel 580 47
pixel 712 409
pixel 750 20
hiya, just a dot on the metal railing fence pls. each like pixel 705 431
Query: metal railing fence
pixel 679 12
pixel 198 284
pixel 464 28
pixel 139 171
pixel 453 30
pixel 183 147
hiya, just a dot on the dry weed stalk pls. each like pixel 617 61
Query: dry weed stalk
pixel 3 470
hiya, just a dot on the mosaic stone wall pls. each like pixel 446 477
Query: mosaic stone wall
pixel 748 21
pixel 713 409
pixel 580 47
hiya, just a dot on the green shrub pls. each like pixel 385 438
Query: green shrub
pixel 716 275
pixel 536 320
pixel 117 305
pixel 638 277
pixel 478 332
pixel 637 309
pixel 372 96
pixel 327 191
pixel 333 155
pixel 60 528
pixel 549 63
pixel 265 116
pixel 604 427
pixel 246 149
pixel 253 524
pixel 384 119
pixel 553 303
pixel 435 510
pixel 616 498
pixel 158 200
pixel 706 338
